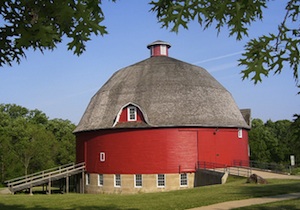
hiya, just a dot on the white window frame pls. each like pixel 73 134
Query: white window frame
pixel 100 180
pixel 240 133
pixel 129 108
pixel 163 49
pixel 102 156
pixel 152 51
pixel 138 178
pixel 183 180
pixel 87 179
pixel 161 180
pixel 117 180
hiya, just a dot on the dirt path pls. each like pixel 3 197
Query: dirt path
pixel 248 202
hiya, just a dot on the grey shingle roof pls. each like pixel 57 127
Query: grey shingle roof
pixel 169 92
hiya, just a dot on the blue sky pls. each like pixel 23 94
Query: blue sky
pixel 61 84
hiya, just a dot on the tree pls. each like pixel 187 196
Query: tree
pixel 262 55
pixel 295 142
pixel 258 142
pixel 41 24
pixel 279 143
pixel 30 142
pixel 62 130
pixel 274 141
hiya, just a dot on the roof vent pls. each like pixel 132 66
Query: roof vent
pixel 159 48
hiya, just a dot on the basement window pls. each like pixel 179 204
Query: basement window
pixel 87 179
pixel 161 180
pixel 138 180
pixel 100 180
pixel 131 113
pixel 117 180
pixel 183 180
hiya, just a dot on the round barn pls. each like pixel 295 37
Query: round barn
pixel 152 123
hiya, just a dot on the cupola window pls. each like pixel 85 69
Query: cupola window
pixel 131 113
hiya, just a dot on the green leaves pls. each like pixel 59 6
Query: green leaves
pixel 29 142
pixel 270 53
pixel 41 24
pixel 258 57
pixel 265 54
pixel 273 141
pixel 236 15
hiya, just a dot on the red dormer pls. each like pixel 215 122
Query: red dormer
pixel 129 115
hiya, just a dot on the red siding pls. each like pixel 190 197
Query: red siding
pixel 151 151
pixel 222 146
pixel 80 150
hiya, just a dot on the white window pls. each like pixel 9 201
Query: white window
pixel 117 180
pixel 152 50
pixel 100 179
pixel 87 179
pixel 160 180
pixel 240 133
pixel 183 179
pixel 131 114
pixel 138 180
pixel 163 49
pixel 102 156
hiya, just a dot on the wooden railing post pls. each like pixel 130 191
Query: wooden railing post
pixel 67 183
pixel 49 186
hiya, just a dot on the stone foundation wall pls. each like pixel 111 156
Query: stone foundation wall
pixel 149 184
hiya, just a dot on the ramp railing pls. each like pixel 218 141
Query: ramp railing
pixel 42 177
pixel 232 170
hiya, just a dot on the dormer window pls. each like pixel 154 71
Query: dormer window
pixel 131 113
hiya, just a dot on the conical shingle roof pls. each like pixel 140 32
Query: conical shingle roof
pixel 169 92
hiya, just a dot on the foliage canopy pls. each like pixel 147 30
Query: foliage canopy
pixel 265 54
pixel 41 24
pixel 274 142
pixel 30 142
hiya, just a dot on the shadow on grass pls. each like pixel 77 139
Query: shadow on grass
pixel 256 190
pixel 21 207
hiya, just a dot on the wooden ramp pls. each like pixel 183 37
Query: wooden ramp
pixel 46 177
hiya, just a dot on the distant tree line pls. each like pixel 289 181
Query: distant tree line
pixel 30 142
pixel 274 142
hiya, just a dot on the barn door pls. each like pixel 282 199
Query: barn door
pixel 188 146
pixel 207 147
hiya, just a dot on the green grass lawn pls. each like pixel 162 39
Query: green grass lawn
pixel 234 189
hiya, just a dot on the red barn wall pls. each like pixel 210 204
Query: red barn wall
pixel 163 150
